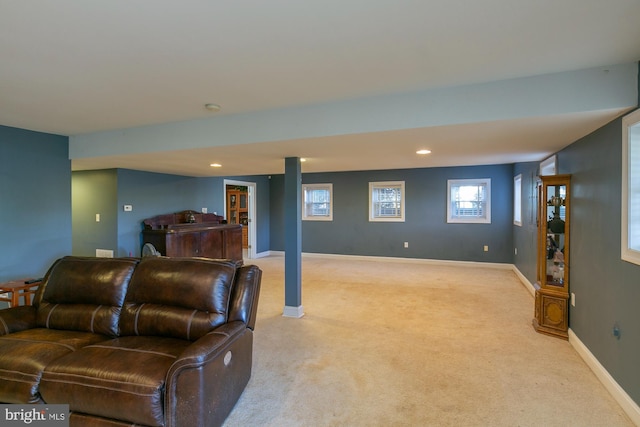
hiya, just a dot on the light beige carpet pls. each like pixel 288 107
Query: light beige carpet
pixel 401 344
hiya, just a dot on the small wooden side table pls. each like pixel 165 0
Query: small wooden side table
pixel 17 289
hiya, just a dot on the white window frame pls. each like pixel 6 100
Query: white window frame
pixel 549 166
pixel 517 200
pixel 630 231
pixel 374 215
pixel 307 214
pixel 456 219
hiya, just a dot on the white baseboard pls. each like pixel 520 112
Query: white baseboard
pixel 502 266
pixel 279 254
pixel 527 284
pixel 628 405
pixel 263 254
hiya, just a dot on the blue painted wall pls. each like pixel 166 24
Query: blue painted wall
pixel 35 201
pixel 276 212
pixel 153 194
pixel 525 235
pixel 607 289
pixel 150 194
pixel 425 227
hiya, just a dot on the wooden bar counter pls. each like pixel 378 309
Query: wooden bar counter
pixel 196 239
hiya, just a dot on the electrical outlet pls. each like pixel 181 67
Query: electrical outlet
pixel 97 217
pixel 104 253
pixel 486 248
pixel 515 250
pixel 406 244
pixel 616 330
pixel 573 299
pixel 204 210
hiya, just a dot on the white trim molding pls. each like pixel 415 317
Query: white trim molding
pixel 619 395
pixel 263 254
pixel 630 218
pixel 624 400
pixel 527 284
pixel 502 266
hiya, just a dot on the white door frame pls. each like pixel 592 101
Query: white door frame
pixel 251 231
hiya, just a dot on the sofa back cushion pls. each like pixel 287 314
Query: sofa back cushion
pixel 177 297
pixel 84 294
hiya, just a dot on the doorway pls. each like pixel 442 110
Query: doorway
pixel 240 208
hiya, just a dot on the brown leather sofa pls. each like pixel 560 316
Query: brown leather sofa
pixel 155 342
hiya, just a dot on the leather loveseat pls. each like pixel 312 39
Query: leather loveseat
pixel 156 342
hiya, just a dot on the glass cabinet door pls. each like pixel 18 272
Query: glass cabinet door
pixel 555 242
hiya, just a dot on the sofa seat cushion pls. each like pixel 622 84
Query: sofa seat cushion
pixel 25 354
pixel 121 378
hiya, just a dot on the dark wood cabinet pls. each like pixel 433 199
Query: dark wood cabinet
pixel 198 239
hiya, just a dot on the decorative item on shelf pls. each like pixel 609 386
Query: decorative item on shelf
pixel 558 257
pixel 557 271
pixel 191 218
pixel 556 201
pixel 551 246
pixel 556 224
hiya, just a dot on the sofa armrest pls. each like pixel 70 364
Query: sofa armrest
pixel 208 347
pixel 204 383
pixel 17 319
pixel 244 299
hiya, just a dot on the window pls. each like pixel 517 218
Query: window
pixel 630 250
pixel 517 200
pixel 469 200
pixel 317 202
pixel 386 201
pixel 548 166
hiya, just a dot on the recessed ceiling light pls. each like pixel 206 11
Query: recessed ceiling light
pixel 212 107
pixel 423 152
pixel 215 165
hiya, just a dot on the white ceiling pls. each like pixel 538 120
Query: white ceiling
pixel 76 67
